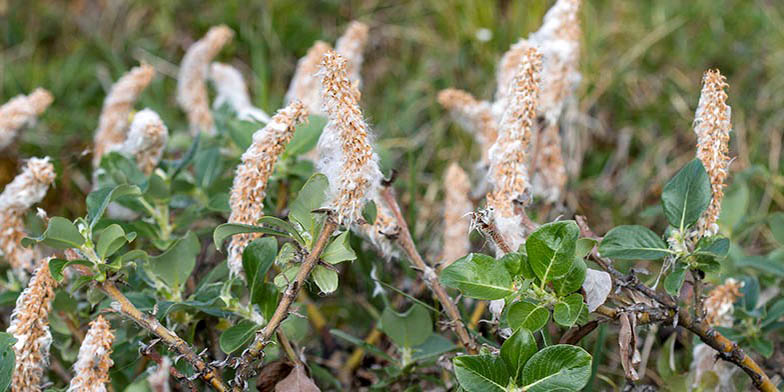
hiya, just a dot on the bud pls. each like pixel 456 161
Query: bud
pixel 346 155
pixel 191 80
pixel 250 181
pixel 146 140
pixel 232 90
pixel 94 360
pixel 28 188
pixel 116 111
pixel 21 110
pixel 712 124
pixel 30 327
pixel 508 155
pixel 457 209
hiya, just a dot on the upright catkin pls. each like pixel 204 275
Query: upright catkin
pixel 27 189
pixel 191 80
pixel 509 154
pixel 232 90
pixel 94 359
pixel 712 124
pixel 21 110
pixel 305 86
pixel 472 115
pixel 351 46
pixel 250 181
pixel 116 111
pixel 30 327
pixel 346 154
pixel 457 207
pixel 146 140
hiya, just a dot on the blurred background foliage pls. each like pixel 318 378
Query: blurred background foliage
pixel 641 62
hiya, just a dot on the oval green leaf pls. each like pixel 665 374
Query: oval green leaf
pixel 478 276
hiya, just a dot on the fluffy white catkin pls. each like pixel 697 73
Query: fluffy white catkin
pixel 146 140
pixel 250 181
pixel 27 189
pixel 232 90
pixel 30 326
pixel 94 359
pixel 346 156
pixel 21 110
pixel 191 80
pixel 116 111
pixel 351 45
pixel 457 207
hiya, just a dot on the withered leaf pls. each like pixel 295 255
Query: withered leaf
pixel 297 381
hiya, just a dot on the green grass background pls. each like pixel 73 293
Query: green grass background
pixel 641 62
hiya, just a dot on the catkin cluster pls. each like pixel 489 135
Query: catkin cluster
pixel 457 207
pixel 250 181
pixel 94 361
pixel 21 110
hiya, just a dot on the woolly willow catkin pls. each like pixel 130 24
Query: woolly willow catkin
pixel 351 45
pixel 508 157
pixel 346 155
pixel 457 207
pixel 472 115
pixel 30 327
pixel 719 303
pixel 146 140
pixel 21 110
pixel 28 188
pixel 117 107
pixel 550 177
pixel 250 181
pixel 232 90
pixel 712 124
pixel 191 80
pixel 94 360
pixel 305 85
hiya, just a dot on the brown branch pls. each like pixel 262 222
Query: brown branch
pixel 148 352
pixel 728 350
pixel 406 243
pixel 246 369
pixel 150 323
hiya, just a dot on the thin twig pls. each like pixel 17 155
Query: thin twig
pixel 150 323
pixel 246 370
pixel 148 352
pixel 406 243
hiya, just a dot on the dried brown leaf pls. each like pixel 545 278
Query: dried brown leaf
pixel 297 381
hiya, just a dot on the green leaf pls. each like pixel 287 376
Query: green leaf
pixel 573 280
pixel 241 131
pixel 306 135
pixel 339 250
pixel 60 234
pixel 584 247
pixel 481 373
pixel 633 243
pixel 478 276
pixel 268 300
pixel 284 226
pixel 219 203
pixel 111 240
pixel 408 329
pixel 227 230
pixel 776 223
pixel 674 281
pixel 774 313
pixel 513 262
pixel 7 359
pixel 97 201
pixel 310 197
pixel 734 206
pixel 175 265
pixel 208 166
pixel 560 367
pixel 765 264
pixel 326 279
pixel 527 315
pixel 369 212
pixel 714 246
pixel 517 350
pixel 361 343
pixel 56 266
pixel 568 310
pixel 157 188
pixel 432 348
pixel 551 249
pixel 237 335
pixel 257 258
pixel 750 291
pixel 763 346
pixel 687 195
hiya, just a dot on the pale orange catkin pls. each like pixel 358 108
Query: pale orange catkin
pixel 472 115
pixel 28 188
pixel 457 207
pixel 712 124
pixel 508 155
pixel 30 327
pixel 146 140
pixel 305 85
pixel 719 304
pixel 94 360
pixel 351 45
pixel 345 152
pixel 116 111
pixel 250 180
pixel 550 178
pixel 191 80
pixel 21 110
